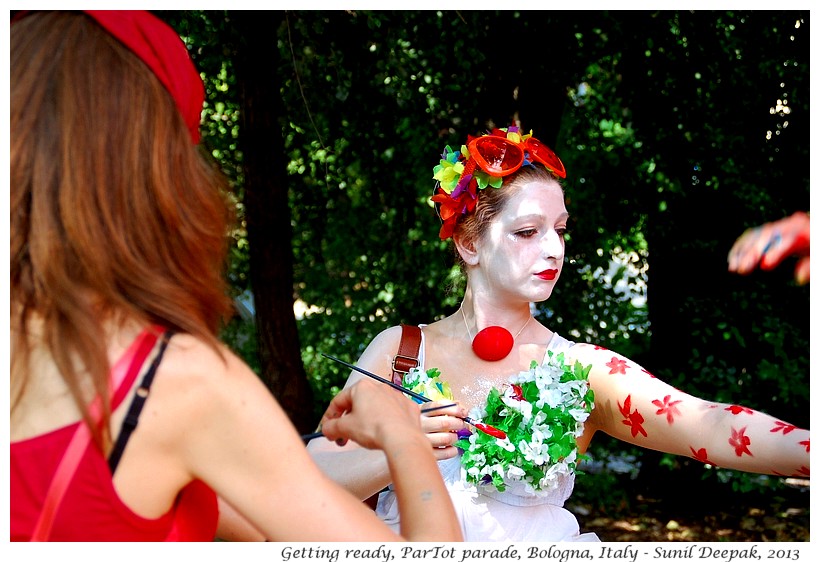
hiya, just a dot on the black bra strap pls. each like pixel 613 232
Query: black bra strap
pixel 131 418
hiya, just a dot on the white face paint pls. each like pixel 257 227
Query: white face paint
pixel 522 252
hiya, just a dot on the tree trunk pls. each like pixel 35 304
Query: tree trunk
pixel 268 214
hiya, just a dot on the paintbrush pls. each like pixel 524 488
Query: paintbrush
pixel 310 436
pixel 488 429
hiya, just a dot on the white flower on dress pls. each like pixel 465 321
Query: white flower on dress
pixel 542 411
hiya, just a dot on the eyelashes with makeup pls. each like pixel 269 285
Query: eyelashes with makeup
pixel 530 232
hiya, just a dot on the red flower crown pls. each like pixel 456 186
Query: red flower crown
pixel 484 161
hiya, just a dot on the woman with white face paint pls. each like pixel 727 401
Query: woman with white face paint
pixel 501 201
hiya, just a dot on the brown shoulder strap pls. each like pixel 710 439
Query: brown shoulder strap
pixel 407 356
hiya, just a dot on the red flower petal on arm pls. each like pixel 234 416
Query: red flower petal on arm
pixel 667 407
pixel 740 442
pixel 636 423
pixel 804 470
pixel 626 407
pixel 735 409
pixel 700 455
pixel 633 419
pixel 805 444
pixel 617 366
pixel 786 428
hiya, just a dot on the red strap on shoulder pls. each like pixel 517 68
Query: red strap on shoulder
pixel 127 367
pixel 407 356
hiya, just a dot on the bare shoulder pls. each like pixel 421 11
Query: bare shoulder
pixel 204 408
pixel 188 357
pixel 196 380
pixel 582 352
pixel 378 356
pixel 387 337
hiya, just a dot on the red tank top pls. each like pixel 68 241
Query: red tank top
pixel 91 510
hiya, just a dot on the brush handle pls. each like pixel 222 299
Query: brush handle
pixel 311 436
pixel 433 409
pixel 488 429
pixel 380 379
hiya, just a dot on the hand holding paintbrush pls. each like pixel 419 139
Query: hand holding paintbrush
pixel 371 415
pixel 488 429
pixel 310 436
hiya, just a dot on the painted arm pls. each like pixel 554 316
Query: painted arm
pixel 634 406
pixel 768 245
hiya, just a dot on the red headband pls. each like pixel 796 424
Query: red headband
pixel 158 46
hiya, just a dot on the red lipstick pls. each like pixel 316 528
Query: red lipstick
pixel 547 274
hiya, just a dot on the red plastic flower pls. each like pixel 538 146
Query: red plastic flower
pixel 450 209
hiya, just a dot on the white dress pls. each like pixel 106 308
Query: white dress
pixel 487 515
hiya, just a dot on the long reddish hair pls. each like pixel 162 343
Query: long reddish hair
pixel 115 214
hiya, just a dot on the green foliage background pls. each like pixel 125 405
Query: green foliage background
pixel 678 129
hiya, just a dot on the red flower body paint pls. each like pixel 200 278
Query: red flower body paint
pixel 617 366
pixel 736 410
pixel 784 427
pixel 740 442
pixel 699 455
pixel 633 419
pixel 667 406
